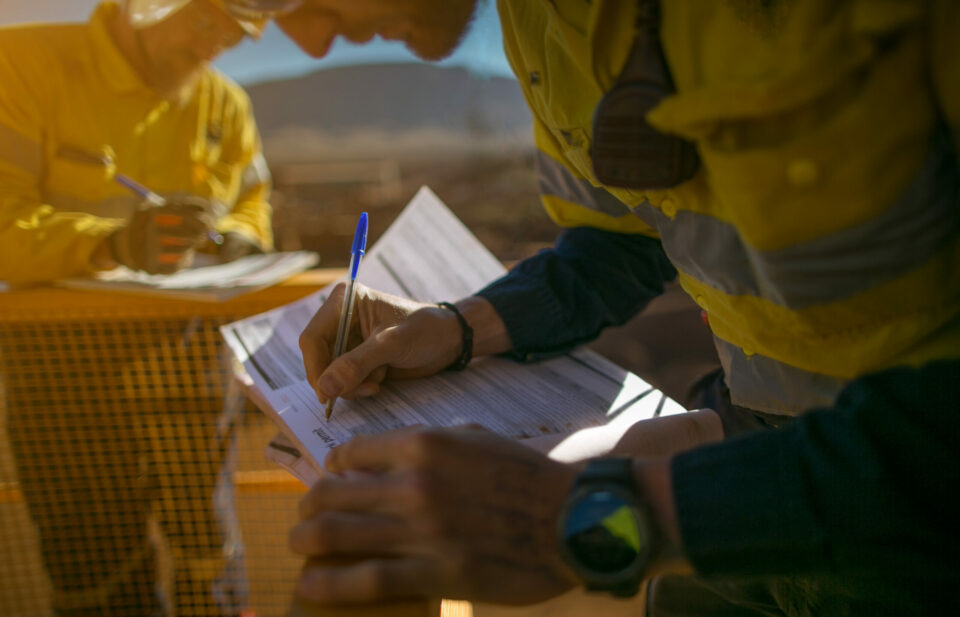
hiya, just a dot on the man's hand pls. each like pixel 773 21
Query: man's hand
pixel 163 239
pixel 236 245
pixel 389 336
pixel 453 513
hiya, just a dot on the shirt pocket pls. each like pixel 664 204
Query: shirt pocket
pixel 74 186
pixel 827 164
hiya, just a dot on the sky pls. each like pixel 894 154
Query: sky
pixel 275 57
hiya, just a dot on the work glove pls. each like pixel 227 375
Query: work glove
pixel 236 245
pixel 163 239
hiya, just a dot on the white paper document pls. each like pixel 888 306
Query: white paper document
pixel 428 255
pixel 204 282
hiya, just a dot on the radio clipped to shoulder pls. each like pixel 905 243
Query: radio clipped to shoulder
pixel 626 151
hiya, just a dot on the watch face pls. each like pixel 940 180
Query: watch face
pixel 603 533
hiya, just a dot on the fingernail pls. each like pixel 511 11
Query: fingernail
pixel 330 462
pixel 319 393
pixel 330 386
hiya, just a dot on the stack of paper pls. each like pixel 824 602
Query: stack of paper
pixel 203 283
pixel 428 255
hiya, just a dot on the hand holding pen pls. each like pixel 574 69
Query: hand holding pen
pixel 105 160
pixel 157 200
pixel 346 311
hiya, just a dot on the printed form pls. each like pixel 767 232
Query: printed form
pixel 429 255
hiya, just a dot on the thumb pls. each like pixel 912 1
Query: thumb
pixel 353 368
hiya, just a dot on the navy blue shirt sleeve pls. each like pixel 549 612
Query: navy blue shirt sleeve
pixel 867 486
pixel 564 296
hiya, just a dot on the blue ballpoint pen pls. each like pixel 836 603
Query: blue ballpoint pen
pixel 346 309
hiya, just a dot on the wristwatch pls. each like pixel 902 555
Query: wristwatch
pixel 604 529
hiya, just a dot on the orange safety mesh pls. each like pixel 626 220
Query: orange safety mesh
pixel 118 421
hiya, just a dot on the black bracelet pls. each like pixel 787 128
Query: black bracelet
pixel 466 333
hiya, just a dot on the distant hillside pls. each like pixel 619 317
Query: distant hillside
pixel 389 107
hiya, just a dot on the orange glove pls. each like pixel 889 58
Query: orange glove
pixel 163 239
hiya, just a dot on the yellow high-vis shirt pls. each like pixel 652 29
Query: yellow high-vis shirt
pixel 821 234
pixel 68 88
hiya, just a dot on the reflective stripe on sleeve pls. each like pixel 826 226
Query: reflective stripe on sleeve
pixel 910 232
pixel 556 180
pixel 255 174
pixel 764 384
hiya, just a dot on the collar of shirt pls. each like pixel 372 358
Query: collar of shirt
pixel 117 71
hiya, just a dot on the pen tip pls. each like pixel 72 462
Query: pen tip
pixel 329 411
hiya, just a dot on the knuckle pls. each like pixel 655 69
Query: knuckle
pixel 457 565
pixel 305 341
pixel 317 585
pixel 376 579
pixel 337 456
pixel 419 489
pixel 429 525
pixel 350 368
pixel 390 336
pixel 356 442
pixel 351 449
pixel 320 535
pixel 306 507
pixel 297 540
pixel 327 532
pixel 313 501
pixel 424 445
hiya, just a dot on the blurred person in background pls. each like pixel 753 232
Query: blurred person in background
pixel 130 92
pixel 794 164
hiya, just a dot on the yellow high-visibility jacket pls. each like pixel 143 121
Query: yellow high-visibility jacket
pixel 68 87
pixel 822 231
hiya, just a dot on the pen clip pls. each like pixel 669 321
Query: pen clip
pixel 95 159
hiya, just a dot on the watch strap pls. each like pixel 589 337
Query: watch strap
pixel 615 470
pixel 611 472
